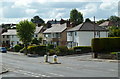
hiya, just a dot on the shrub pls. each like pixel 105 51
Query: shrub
pixel 52 52
pixel 61 50
pixel 110 44
pixel 50 46
pixel 82 49
pixel 38 49
pixel 70 51
pixel 22 50
pixel 17 48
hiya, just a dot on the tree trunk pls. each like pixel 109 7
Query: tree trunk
pixel 26 51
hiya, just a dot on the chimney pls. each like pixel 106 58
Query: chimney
pixel 68 23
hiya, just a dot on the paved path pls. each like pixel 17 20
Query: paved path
pixel 71 66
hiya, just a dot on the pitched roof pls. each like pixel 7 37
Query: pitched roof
pixel 10 32
pixel 38 29
pixel 86 26
pixel 56 28
pixel 107 23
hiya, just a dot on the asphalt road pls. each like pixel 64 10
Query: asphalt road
pixel 71 66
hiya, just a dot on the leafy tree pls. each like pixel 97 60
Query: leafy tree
pixel 114 18
pixel 88 20
pixel 40 39
pixel 25 31
pixel 76 17
pixel 101 21
pixel 114 31
pixel 38 20
pixel 35 41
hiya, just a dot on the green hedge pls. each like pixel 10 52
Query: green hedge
pixel 82 49
pixel 61 50
pixel 17 48
pixel 110 44
pixel 38 49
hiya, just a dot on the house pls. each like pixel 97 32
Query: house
pixel 39 32
pixel 56 35
pixel 0 35
pixel 82 34
pixel 10 38
pixel 107 24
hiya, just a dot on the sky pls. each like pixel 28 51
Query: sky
pixel 13 11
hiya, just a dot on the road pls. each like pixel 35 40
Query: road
pixel 71 66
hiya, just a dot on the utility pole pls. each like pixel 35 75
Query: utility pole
pixel 94 27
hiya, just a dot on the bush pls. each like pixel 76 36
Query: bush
pixel 82 49
pixel 17 48
pixel 38 49
pixel 110 44
pixel 22 50
pixel 52 52
pixel 50 46
pixel 70 51
pixel 61 50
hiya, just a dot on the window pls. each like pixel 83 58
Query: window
pixel 7 36
pixel 75 33
pixel 70 33
pixel 3 36
pixel 36 35
pixel 58 35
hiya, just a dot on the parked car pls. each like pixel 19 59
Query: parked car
pixel 3 50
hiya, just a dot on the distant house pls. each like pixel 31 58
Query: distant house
pixel 56 35
pixel 82 34
pixel 10 38
pixel 39 32
pixel 0 35
pixel 107 24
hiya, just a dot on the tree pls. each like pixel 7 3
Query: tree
pixel 25 31
pixel 88 20
pixel 114 18
pixel 114 31
pixel 38 20
pixel 35 41
pixel 101 21
pixel 76 17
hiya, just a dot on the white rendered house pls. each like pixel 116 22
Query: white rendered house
pixel 10 37
pixel 82 34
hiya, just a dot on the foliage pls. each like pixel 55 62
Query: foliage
pixel 25 31
pixel 52 52
pixel 88 20
pixel 40 39
pixel 35 41
pixel 76 17
pixel 70 51
pixel 61 50
pixel 110 44
pixel 101 21
pixel 38 49
pixel 114 18
pixel 22 50
pixel 17 48
pixel 114 31
pixel 37 19
pixel 82 49
pixel 50 46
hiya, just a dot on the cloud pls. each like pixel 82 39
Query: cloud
pixel 31 12
pixel 89 9
pixel 108 5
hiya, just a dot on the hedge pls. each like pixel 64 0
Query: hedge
pixel 110 44
pixel 82 49
pixel 38 49
pixel 17 48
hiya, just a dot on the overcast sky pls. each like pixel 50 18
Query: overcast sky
pixel 12 11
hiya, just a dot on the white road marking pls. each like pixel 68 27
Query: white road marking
pixel 56 74
pixel 28 73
